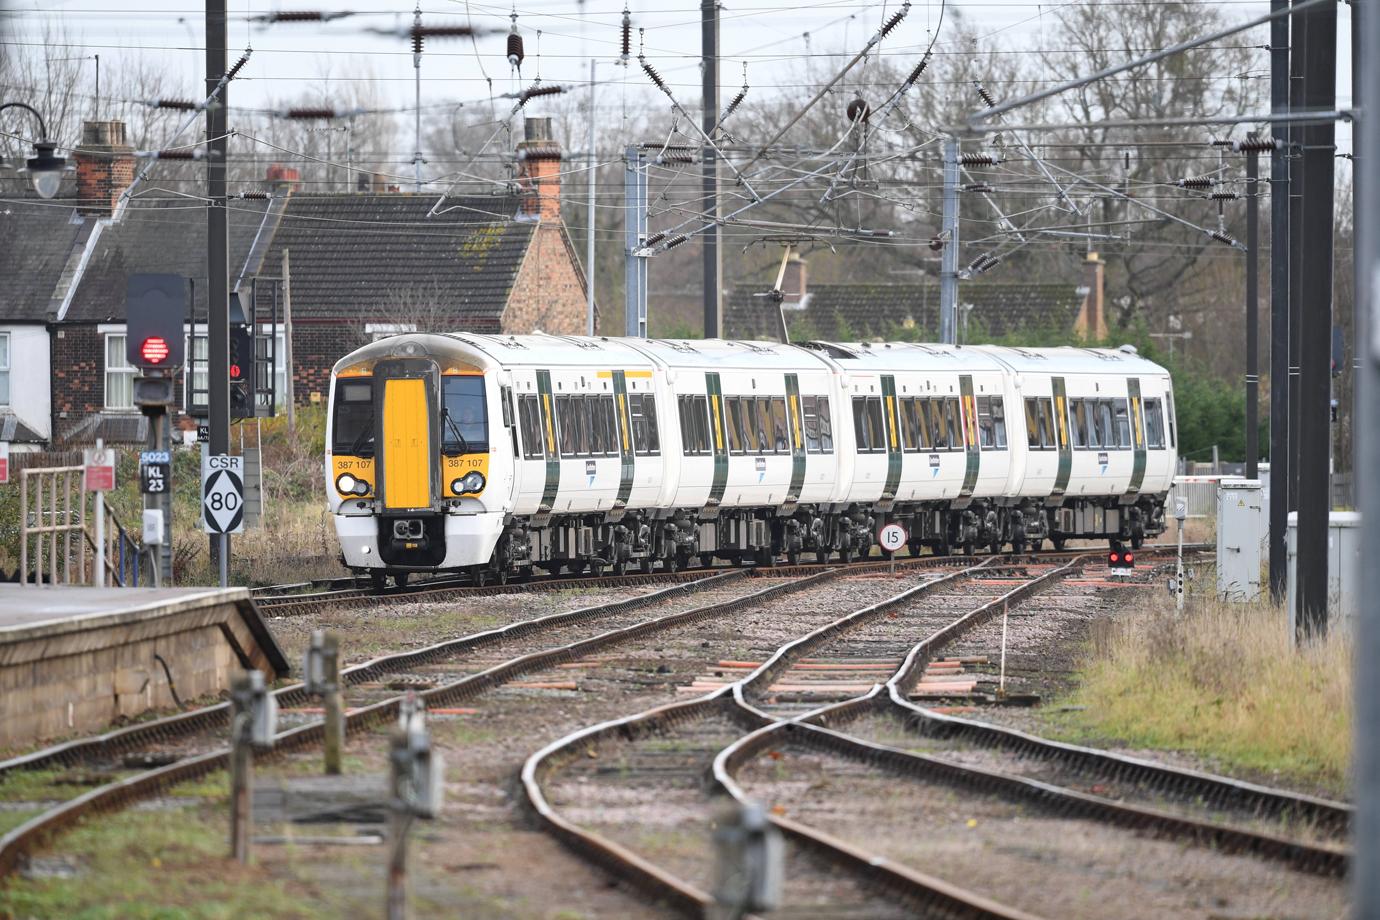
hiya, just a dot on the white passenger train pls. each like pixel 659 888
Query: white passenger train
pixel 496 454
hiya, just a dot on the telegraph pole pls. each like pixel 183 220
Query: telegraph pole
pixel 217 254
pixel 712 239
pixel 1252 313
pixel 948 270
pixel 1279 303
pixel 1366 56
pixel 1315 381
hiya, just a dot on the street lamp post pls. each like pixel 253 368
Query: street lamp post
pixel 45 168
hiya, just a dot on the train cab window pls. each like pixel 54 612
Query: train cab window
pixel 1169 417
pixel 646 439
pixel 780 433
pixel 353 431
pixel 529 420
pixel 991 414
pixel 464 416
pixel 694 425
pixel 1154 425
pixel 1122 420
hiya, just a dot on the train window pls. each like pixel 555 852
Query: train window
pixel 505 398
pixel 1047 432
pixel 694 425
pixel 951 418
pixel 642 408
pixel 867 424
pixel 1169 416
pixel 762 423
pixel 826 426
pixel 735 424
pixel 353 431
pixel 991 422
pixel 568 429
pixel 1078 429
pixel 1154 425
pixel 1122 421
pixel 780 433
pixel 464 416
pixel 611 423
pixel 1104 428
pixel 810 407
pixel 860 424
pixel 939 436
pixel 529 418
pixel 910 424
pixel 599 442
pixel 1034 436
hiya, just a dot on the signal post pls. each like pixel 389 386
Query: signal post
pixel 155 343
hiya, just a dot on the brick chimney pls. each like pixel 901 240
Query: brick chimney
pixel 1092 317
pixel 105 167
pixel 539 172
pixel 282 180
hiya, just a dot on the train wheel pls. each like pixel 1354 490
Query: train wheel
pixel 400 579
pixel 968 548
pixel 765 557
pixel 620 567
pixel 793 557
pixel 671 563
pixel 995 547
pixel 481 577
pixel 577 567
pixel 645 565
pixel 1137 541
pixel 706 560
pixel 846 555
pixel 1017 547
pixel 501 576
pixel 379 580
pixel 821 556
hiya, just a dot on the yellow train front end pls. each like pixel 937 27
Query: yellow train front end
pixel 410 459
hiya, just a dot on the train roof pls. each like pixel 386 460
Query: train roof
pixel 893 356
pixel 728 353
pixel 1067 359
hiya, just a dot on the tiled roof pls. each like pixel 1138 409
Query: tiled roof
pixel 865 311
pixel 158 236
pixel 36 237
pixel 357 255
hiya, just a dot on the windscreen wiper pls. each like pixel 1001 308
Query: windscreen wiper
pixel 450 423
pixel 365 433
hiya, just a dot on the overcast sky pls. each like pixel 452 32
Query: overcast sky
pixel 770 36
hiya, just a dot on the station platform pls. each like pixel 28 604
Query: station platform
pixel 75 660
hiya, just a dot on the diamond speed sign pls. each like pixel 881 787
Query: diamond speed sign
pixel 222 493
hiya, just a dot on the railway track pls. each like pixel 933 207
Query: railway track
pixel 666 747
pixel 187 746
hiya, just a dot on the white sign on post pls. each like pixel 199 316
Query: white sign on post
pixel 222 493
pixel 891 537
pixel 4 461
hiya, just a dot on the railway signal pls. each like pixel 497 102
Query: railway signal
pixel 1121 561
pixel 254 723
pixel 417 787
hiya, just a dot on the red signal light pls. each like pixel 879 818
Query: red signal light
pixel 154 350
pixel 1130 558
pixel 235 372
pixel 1114 558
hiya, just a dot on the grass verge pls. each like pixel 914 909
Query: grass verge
pixel 1222 680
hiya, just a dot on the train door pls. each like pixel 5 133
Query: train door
pixel 1061 422
pixel 1137 435
pixel 972 453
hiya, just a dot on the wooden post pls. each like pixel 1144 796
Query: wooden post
pixel 334 704
pixel 24 527
pixel 290 393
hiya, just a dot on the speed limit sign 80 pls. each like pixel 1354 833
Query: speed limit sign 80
pixel 891 538
pixel 222 493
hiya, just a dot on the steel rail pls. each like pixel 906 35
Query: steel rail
pixel 20 841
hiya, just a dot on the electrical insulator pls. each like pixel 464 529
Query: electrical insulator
pixel 1222 237
pixel 178 105
pixel 919 69
pixel 239 65
pixel 1224 196
pixel 733 105
pixel 1197 182
pixel 894 21
pixel 305 114
pixel 652 75
pixel 535 92
pixel 984 95
pixel 256 196
pixel 515 54
pixel 627 36
pixel 418 40
pixel 676 241
pixel 654 239
pixel 936 243
pixel 979 187
pixel 1254 143
pixel 976 159
pixel 858 110
pixel 669 158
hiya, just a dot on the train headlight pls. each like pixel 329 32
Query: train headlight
pixel 347 484
pixel 471 482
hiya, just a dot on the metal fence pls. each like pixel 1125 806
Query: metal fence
pixel 57 542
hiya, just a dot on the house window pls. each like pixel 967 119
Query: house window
pixel 196 380
pixel 4 368
pixel 119 374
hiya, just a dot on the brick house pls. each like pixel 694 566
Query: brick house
pixel 360 266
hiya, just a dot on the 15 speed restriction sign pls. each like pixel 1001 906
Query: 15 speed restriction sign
pixel 891 537
pixel 222 493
